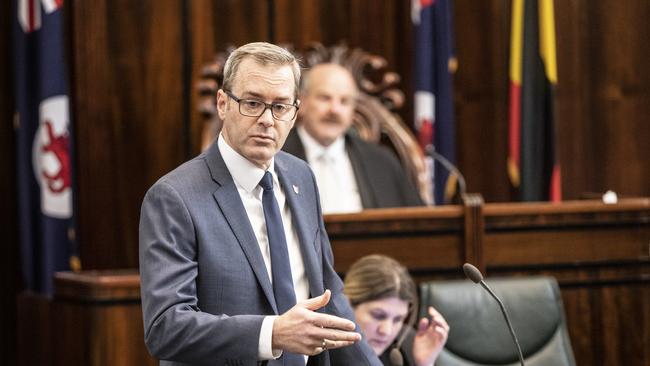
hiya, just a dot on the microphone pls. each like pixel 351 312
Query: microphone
pixel 451 168
pixel 475 275
pixel 395 355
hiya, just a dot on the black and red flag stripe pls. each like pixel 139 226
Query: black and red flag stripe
pixel 533 166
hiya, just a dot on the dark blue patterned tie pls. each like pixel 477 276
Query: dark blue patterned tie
pixel 285 296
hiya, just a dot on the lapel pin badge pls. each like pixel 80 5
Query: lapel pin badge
pixel 296 189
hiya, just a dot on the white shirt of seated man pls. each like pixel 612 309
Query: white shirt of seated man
pixel 331 164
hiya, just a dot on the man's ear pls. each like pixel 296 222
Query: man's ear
pixel 222 101
pixel 301 109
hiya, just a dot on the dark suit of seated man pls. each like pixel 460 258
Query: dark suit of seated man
pixel 352 174
pixel 236 267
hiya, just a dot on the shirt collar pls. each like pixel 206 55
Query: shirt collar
pixel 245 174
pixel 314 150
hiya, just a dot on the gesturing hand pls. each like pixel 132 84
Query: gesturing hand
pixel 430 337
pixel 302 330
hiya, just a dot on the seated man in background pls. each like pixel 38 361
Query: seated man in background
pixel 352 174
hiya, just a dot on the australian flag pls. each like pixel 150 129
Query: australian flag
pixel 44 144
pixel 434 107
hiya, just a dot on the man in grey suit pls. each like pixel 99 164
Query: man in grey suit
pixel 236 273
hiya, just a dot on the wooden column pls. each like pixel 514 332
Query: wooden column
pixel 474 229
pixel 98 319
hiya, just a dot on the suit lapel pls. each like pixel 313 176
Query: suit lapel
pixel 360 173
pixel 293 145
pixel 302 208
pixel 233 210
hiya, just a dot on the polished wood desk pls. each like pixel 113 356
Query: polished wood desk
pixel 599 253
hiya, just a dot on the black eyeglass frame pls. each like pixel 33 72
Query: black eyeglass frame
pixel 268 106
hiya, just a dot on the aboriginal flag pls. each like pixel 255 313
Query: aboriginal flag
pixel 532 161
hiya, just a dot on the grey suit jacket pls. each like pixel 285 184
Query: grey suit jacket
pixel 205 289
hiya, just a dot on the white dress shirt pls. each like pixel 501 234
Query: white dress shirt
pixel 337 184
pixel 247 177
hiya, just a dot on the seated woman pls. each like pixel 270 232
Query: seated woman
pixel 383 296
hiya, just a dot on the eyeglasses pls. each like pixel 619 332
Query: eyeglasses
pixel 256 108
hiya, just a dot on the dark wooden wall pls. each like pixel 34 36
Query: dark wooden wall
pixel 8 219
pixel 127 102
pixel 134 64
pixel 603 96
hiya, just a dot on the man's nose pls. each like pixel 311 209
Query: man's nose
pixel 266 118
pixel 336 106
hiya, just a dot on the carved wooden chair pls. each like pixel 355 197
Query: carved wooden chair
pixel 375 119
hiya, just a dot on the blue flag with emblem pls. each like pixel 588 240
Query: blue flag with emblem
pixel 433 104
pixel 44 144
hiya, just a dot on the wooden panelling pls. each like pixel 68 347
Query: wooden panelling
pixel 603 96
pixel 539 234
pixel 525 248
pixel 617 92
pixel 481 101
pixel 424 253
pixel 127 112
pixel 390 231
pixel 128 85
pixel 34 335
pixel 8 217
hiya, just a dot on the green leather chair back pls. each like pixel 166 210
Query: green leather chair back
pixel 478 332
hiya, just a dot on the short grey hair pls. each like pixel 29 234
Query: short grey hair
pixel 306 80
pixel 263 53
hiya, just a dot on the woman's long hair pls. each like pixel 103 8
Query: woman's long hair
pixel 376 277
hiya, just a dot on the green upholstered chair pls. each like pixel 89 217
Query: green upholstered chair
pixel 478 332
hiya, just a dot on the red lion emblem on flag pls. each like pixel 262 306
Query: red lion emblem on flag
pixel 57 145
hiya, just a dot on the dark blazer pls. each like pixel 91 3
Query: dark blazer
pixel 205 288
pixel 380 177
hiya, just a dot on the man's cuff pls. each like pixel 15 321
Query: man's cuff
pixel 265 350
